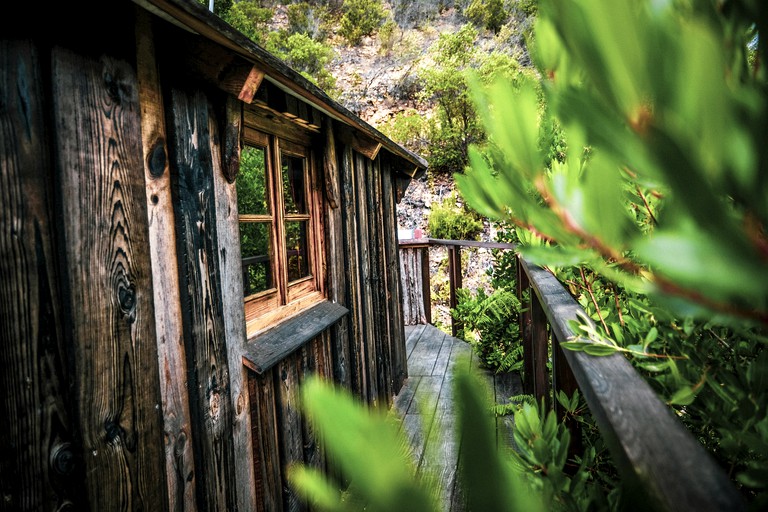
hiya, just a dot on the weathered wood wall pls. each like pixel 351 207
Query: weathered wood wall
pixel 120 278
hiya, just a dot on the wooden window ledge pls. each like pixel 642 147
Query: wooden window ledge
pixel 265 350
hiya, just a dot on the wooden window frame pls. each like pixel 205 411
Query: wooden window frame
pixel 267 308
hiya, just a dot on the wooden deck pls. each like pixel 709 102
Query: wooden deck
pixel 425 403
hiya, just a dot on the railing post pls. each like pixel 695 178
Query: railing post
pixel 426 289
pixel 454 275
pixel 564 380
pixel 523 286
pixel 540 346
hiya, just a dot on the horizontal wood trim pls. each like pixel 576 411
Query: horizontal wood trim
pixel 260 303
pixel 421 242
pixel 257 322
pixel 269 348
pixel 265 119
pixel 654 452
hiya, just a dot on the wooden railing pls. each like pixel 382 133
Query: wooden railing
pixel 663 467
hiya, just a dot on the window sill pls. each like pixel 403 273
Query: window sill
pixel 266 349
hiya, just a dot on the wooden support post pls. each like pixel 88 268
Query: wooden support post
pixel 563 380
pixel 523 287
pixel 426 288
pixel 539 344
pixel 454 274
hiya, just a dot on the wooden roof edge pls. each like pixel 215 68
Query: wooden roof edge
pixel 196 18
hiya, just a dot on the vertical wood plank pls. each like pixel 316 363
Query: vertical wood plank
pixel 110 294
pixel 358 363
pixel 38 451
pixel 230 268
pixel 266 454
pixel 378 288
pixel 392 269
pixel 366 293
pixel 179 457
pixel 192 171
pixel 289 424
pixel 336 269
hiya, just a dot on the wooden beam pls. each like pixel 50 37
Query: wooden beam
pixel 361 143
pixel 179 456
pixel 330 166
pixel 251 85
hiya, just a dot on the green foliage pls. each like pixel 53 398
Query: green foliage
pixel 652 209
pixel 388 34
pixel 542 456
pixel 408 129
pixel 304 54
pixel 305 18
pixel 488 14
pixel 250 18
pixel 448 221
pixel 360 18
pixel 495 320
pixel 455 125
pixel 366 447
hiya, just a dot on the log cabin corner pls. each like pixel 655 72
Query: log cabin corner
pixel 189 229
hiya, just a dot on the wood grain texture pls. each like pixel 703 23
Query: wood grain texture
pixel 179 455
pixel 266 453
pixel 336 269
pixel 377 287
pixel 192 171
pixel 358 364
pixel 368 340
pixel 411 278
pixel 392 278
pixel 289 424
pixel 231 272
pixel 110 293
pixel 40 458
pixel 267 349
pixel 659 460
pixel 330 166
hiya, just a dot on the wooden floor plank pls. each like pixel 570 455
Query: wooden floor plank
pixel 424 355
pixel 427 408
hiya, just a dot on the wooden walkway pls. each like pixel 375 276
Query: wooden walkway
pixel 426 406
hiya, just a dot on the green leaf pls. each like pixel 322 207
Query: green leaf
pixel 600 349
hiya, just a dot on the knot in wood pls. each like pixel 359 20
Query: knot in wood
pixel 126 295
pixel 63 459
pixel 156 159
pixel 114 431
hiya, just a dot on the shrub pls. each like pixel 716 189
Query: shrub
pixel 448 221
pixel 304 18
pixel 407 128
pixel 360 18
pixel 387 36
pixel 488 14
pixel 304 54
pixel 250 19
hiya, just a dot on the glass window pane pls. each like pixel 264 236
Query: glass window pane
pixel 256 248
pixel 252 197
pixel 296 247
pixel 293 184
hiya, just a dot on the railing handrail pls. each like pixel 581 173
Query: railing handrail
pixel 662 465
pixel 647 442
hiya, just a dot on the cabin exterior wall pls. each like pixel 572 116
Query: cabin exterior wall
pixel 121 304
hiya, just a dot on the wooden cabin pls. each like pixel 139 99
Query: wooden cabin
pixel 188 229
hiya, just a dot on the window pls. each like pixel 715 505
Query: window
pixel 280 230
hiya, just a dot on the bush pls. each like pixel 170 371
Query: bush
pixel 304 18
pixel 387 36
pixel 250 19
pixel 448 221
pixel 488 14
pixel 407 128
pixel 361 18
pixel 305 55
